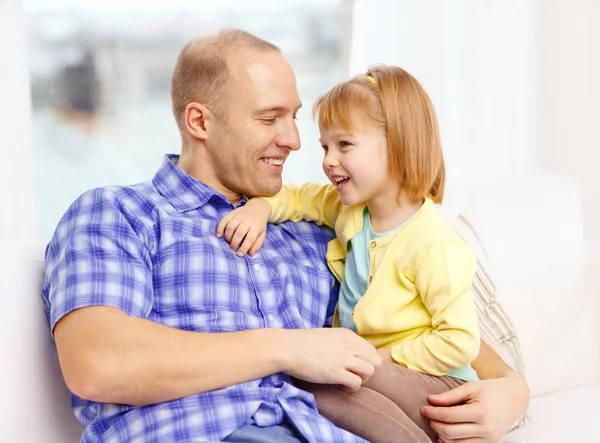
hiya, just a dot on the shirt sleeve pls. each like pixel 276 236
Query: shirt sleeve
pixel 443 281
pixel 310 202
pixel 98 257
pixel 333 301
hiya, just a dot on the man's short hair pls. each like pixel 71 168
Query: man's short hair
pixel 202 75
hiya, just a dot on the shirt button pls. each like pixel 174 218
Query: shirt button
pixel 370 279
pixel 373 244
pixel 257 266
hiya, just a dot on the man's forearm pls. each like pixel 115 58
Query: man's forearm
pixel 108 356
pixel 488 364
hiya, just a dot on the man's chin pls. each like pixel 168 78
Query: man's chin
pixel 267 189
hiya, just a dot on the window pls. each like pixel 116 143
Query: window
pixel 100 73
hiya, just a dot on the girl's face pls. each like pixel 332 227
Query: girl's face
pixel 357 164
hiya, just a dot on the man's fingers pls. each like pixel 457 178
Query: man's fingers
pixel 350 380
pixel 453 396
pixel 362 368
pixel 470 440
pixel 258 243
pixel 462 440
pixel 457 432
pixel 453 414
pixel 369 353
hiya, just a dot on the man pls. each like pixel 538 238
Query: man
pixel 164 334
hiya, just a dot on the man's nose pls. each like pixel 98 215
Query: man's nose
pixel 289 137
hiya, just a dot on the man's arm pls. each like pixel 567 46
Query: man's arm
pixel 111 357
pixel 488 364
pixel 486 409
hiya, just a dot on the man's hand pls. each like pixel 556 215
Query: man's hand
pixel 386 355
pixel 478 412
pixel 330 356
pixel 245 228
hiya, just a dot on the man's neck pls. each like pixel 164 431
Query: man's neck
pixel 190 164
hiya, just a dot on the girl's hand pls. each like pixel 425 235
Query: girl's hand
pixel 245 228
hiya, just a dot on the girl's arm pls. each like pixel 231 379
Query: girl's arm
pixel 310 202
pixel 443 280
pixel 245 228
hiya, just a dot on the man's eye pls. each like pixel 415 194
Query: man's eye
pixel 268 121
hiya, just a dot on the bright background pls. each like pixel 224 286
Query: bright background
pixel 515 84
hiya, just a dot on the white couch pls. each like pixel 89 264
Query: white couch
pixel 532 230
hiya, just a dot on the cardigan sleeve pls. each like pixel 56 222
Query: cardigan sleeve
pixel 443 280
pixel 309 202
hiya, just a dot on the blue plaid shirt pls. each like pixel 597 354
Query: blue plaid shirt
pixel 151 251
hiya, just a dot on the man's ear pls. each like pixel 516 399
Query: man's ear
pixel 197 118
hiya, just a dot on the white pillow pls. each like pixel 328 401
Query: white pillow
pixel 532 228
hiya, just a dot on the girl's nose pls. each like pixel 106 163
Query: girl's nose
pixel 330 161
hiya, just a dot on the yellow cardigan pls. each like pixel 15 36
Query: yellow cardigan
pixel 418 300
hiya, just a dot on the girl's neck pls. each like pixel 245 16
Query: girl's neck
pixel 386 216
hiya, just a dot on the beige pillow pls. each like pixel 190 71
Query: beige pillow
pixel 496 329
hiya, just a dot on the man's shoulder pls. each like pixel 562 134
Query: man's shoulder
pixel 144 191
pixel 119 196
pixel 110 206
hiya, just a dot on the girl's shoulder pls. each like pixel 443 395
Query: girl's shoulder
pixel 434 227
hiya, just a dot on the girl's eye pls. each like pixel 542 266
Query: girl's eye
pixel 325 148
pixel 344 144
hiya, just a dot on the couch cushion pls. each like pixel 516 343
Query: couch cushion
pixel 566 416
pixel 532 229
pixel 35 403
pixel 496 329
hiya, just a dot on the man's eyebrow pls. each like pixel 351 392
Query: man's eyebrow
pixel 277 109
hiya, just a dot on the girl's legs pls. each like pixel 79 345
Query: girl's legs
pixel 408 389
pixel 366 413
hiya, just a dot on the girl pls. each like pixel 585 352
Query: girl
pixel 405 274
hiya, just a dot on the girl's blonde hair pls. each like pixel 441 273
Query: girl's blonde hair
pixel 391 98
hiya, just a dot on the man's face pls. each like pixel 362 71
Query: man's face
pixel 249 150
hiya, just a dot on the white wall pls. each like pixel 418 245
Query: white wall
pixel 17 215
pixel 567 118
pixel 567 42
pixel 474 58
pixel 515 84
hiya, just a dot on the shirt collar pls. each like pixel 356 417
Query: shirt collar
pixel 182 190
